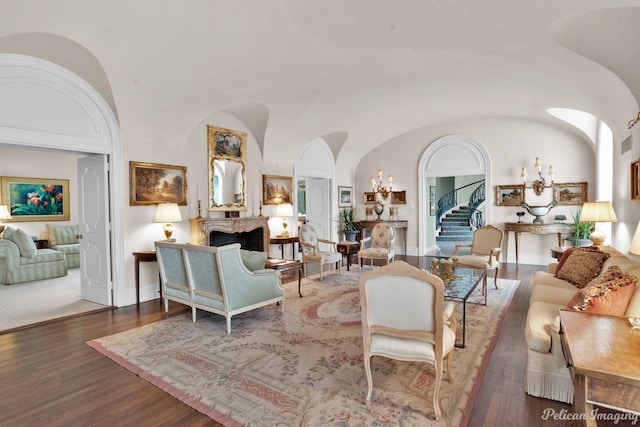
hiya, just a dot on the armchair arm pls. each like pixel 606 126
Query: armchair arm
pixel 10 250
pixel 328 242
pixel 460 245
pixel 449 316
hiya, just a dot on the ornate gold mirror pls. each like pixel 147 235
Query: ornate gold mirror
pixel 227 169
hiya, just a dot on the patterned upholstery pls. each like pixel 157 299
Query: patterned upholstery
pixel 383 237
pixel 15 268
pixel 64 238
pixel 311 253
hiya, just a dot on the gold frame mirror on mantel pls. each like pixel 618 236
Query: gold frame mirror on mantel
pixel 227 169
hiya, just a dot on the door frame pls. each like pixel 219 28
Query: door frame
pixel 39 75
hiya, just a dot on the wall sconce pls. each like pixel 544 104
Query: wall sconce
pixel 4 214
pixel 284 210
pixel 597 212
pixel 168 213
pixel 381 189
pixel 539 184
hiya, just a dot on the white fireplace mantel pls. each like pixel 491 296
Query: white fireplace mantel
pixel 202 227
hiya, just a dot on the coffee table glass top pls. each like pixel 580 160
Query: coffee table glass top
pixel 462 287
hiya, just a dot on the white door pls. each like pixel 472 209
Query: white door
pixel 94 226
pixel 318 209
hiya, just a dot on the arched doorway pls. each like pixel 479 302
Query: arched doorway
pixel 450 155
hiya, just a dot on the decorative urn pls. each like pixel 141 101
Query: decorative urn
pixel 538 211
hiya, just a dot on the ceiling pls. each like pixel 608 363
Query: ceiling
pixel 356 72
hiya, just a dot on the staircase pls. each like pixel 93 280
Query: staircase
pixel 455 229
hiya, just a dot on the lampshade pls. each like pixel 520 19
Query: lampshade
pixel 635 243
pixel 597 212
pixel 4 212
pixel 168 213
pixel 284 209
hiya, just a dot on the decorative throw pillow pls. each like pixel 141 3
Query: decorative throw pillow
pixel 26 245
pixel 612 273
pixel 582 266
pixel 253 260
pixel 62 234
pixel 610 298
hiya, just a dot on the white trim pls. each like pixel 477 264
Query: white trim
pixel 104 137
pixel 475 150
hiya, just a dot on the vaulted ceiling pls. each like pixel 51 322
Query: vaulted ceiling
pixel 357 72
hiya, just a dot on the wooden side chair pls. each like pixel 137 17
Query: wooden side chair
pixel 380 244
pixel 485 252
pixel 312 253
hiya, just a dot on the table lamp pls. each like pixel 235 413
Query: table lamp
pixel 597 212
pixel 285 210
pixel 4 214
pixel 168 213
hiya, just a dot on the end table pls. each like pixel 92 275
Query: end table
pixel 348 249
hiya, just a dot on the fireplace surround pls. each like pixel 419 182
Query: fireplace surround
pixel 251 232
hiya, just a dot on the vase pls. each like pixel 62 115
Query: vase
pixel 350 236
pixel 379 208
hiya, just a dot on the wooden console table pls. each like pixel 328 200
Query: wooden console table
pixel 284 240
pixel 603 354
pixel 397 224
pixel 553 228
pixel 144 256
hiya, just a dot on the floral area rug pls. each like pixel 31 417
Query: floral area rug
pixel 304 367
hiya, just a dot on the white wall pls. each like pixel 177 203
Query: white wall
pixel 511 144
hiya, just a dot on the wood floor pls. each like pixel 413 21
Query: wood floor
pixel 50 377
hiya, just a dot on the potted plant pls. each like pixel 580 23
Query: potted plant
pixel 348 224
pixel 581 231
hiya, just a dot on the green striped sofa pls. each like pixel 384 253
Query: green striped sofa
pixel 21 261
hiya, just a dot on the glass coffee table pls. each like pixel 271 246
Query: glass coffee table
pixel 461 288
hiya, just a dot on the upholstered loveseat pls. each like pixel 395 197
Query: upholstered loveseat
pixel 216 279
pixel 605 284
pixel 64 238
pixel 21 261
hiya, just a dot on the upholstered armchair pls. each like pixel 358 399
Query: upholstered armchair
pixel 214 279
pixel 485 252
pixel 379 245
pixel 312 253
pixel 403 317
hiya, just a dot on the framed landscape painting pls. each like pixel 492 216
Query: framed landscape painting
pixel 35 199
pixel 509 195
pixel 153 183
pixel 570 193
pixel 276 190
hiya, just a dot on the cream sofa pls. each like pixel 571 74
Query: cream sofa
pixel 547 375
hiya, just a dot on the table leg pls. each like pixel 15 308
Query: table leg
pixel 137 280
pixel 464 322
pixel 517 239
pixel 299 281
pixel 506 246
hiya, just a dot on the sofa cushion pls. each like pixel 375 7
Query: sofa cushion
pixel 544 278
pixel 582 266
pixel 62 234
pixel 253 260
pixel 606 297
pixel 553 294
pixel 25 243
pixel 540 317
pixel 43 256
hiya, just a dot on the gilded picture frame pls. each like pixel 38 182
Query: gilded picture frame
pixel 570 193
pixel 153 183
pixel 227 155
pixel 399 197
pixel 35 199
pixel 276 190
pixel 509 195
pixel 635 180
pixel 369 198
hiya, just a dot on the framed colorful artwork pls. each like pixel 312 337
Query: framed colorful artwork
pixel 35 199
pixel 153 183
pixel 276 190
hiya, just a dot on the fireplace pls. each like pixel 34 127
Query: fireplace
pixel 252 233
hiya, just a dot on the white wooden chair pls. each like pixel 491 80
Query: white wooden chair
pixel 403 318
pixel 381 244
pixel 311 253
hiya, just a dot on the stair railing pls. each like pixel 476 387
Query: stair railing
pixel 450 201
pixel 477 198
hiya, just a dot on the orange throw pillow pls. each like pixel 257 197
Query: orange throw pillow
pixel 610 298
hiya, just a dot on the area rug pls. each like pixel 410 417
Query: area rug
pixel 304 366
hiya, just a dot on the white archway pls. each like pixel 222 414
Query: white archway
pixel 450 155
pixel 71 116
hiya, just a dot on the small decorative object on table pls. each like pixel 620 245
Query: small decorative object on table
pixel 520 215
pixel 444 269
pixel 635 322
pixel 379 208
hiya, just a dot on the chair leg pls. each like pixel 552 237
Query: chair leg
pixel 228 325
pixel 449 372
pixel 484 284
pixel 367 370
pixel 193 313
pixel 436 391
pixel 495 278
pixel 321 272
